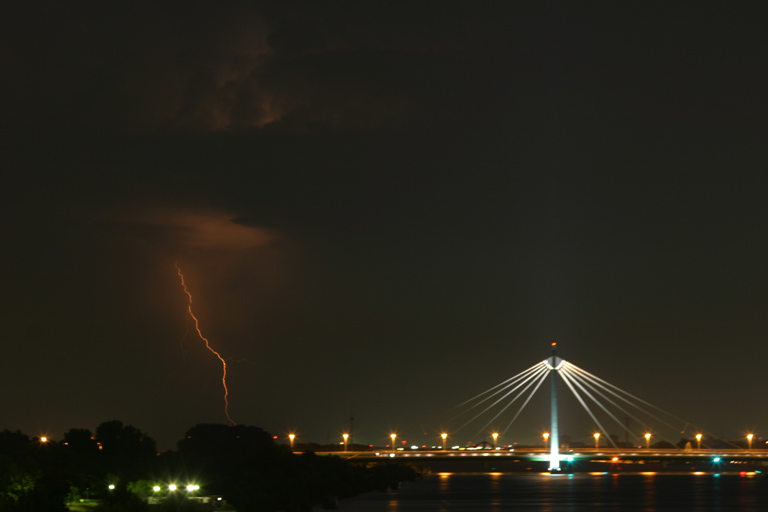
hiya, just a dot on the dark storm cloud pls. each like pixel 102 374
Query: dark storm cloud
pixel 196 66
pixel 185 229
pixel 147 65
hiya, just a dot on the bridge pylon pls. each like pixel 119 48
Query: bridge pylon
pixel 554 363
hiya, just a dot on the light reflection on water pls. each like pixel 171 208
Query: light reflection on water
pixel 497 492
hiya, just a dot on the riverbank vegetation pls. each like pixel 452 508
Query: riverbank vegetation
pixel 117 469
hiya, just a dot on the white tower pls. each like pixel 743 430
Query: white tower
pixel 554 363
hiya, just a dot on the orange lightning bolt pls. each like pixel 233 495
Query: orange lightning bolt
pixel 208 346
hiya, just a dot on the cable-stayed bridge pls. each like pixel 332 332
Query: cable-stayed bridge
pixel 647 429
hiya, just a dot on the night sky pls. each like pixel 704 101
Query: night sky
pixel 381 209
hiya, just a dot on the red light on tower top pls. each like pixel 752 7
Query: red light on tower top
pixel 554 344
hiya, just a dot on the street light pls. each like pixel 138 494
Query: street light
pixel 546 438
pixel 495 436
pixel 346 438
pixel 393 437
pixel 597 440
pixel 698 441
pixel 648 441
pixel 749 438
pixel 291 437
pixel 444 436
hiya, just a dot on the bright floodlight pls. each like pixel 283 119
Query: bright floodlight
pixel 172 487
pixel 193 487
pixel 111 487
pixel 156 488
pixel 43 439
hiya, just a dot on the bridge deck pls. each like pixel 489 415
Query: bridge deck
pixel 579 460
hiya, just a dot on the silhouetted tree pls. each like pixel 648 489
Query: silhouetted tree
pixel 81 457
pixel 30 474
pixel 125 450
pixel 239 462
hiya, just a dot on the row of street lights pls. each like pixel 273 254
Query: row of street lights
pixel 171 487
pixel 648 440
pixel 545 435
pixel 292 438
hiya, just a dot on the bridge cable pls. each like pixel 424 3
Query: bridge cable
pixel 607 398
pixel 597 379
pixel 577 381
pixel 540 376
pixel 508 382
pixel 567 379
pixel 529 378
pixel 541 380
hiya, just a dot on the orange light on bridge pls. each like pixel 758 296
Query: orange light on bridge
pixel 698 441
pixel 596 435
pixel 444 436
pixel 647 441
pixel 749 439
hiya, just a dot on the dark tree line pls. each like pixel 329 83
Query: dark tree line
pixel 242 464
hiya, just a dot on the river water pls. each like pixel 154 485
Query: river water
pixel 493 492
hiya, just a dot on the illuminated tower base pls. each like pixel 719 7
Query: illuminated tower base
pixel 554 363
